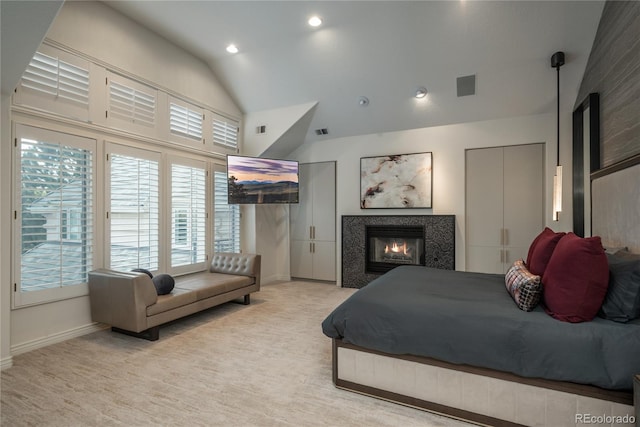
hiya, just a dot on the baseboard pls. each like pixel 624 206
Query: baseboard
pixel 6 363
pixel 56 338
pixel 274 278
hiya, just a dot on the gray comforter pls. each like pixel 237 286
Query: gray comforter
pixel 469 318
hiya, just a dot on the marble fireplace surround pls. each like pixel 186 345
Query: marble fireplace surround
pixel 439 236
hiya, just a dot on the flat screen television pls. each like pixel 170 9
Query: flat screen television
pixel 254 180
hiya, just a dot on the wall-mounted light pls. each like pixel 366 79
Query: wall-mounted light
pixel 421 92
pixel 557 61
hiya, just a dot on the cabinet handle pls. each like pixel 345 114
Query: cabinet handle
pixel 501 255
pixel 314 231
pixel 311 232
pixel 310 247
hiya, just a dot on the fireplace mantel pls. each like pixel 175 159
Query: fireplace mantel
pixel 439 238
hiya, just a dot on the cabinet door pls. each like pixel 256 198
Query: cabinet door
pixel 300 214
pixel 523 197
pixel 301 259
pixel 323 181
pixel 486 259
pixel 324 260
pixel 484 201
pixel 504 205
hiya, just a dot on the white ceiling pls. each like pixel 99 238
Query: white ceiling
pixel 384 50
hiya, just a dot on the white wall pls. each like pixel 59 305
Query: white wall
pixel 448 145
pixel 5 232
pixel 94 30
pixel 98 31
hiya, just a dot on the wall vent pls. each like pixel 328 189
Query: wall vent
pixel 261 129
pixel 322 131
pixel 466 85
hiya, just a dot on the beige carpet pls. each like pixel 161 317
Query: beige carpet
pixel 267 364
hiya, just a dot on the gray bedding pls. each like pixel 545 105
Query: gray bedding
pixel 469 318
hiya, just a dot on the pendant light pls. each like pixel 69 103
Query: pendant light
pixel 557 61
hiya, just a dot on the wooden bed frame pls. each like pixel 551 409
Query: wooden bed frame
pixel 479 395
pixel 493 398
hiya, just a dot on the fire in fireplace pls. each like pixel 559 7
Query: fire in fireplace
pixel 391 245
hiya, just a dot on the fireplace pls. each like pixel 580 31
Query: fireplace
pixel 392 245
pixel 437 249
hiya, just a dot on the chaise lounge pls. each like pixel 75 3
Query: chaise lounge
pixel 129 302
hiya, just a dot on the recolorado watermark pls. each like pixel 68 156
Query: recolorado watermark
pixel 605 419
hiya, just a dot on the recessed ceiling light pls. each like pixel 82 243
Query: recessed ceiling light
pixel 363 101
pixel 421 92
pixel 315 21
pixel 232 48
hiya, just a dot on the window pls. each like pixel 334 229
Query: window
pixel 184 121
pixel 136 105
pixel 226 226
pixel 50 75
pixel 225 132
pixel 56 81
pixel 181 227
pixel 55 222
pixel 188 214
pixel 134 210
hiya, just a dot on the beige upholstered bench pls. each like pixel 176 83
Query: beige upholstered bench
pixel 129 303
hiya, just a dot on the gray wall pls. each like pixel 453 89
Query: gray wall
pixel 613 71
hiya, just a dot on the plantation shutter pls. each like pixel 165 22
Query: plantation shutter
pixel 57 82
pixel 188 215
pixel 55 227
pixel 226 217
pixel 184 121
pixel 131 104
pixel 225 132
pixel 52 76
pixel 134 213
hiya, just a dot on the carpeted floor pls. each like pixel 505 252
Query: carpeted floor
pixel 266 364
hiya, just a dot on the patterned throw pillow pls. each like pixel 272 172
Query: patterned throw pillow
pixel 523 286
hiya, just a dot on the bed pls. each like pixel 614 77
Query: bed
pixel 455 342
pixel 469 318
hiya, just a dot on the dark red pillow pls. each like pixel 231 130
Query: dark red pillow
pixel 576 279
pixel 541 249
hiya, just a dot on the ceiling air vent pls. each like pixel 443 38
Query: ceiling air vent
pixel 261 129
pixel 322 131
pixel 466 85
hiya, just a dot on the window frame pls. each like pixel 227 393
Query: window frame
pixel 134 122
pixel 24 298
pixel 221 170
pixel 196 164
pixel 113 148
pixel 191 111
pixel 52 102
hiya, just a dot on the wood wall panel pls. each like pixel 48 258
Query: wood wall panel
pixel 613 70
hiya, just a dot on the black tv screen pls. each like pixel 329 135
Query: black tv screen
pixel 254 180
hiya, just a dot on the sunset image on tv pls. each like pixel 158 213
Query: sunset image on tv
pixel 254 180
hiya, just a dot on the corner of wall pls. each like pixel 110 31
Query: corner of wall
pixel 5 229
pixel 277 122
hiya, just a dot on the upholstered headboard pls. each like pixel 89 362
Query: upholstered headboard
pixel 615 208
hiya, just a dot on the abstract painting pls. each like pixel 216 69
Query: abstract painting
pixel 396 181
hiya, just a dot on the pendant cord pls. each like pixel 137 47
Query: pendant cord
pixel 558 119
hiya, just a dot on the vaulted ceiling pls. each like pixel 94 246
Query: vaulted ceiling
pixel 383 50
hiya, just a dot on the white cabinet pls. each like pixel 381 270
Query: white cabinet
pixel 313 223
pixel 504 205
